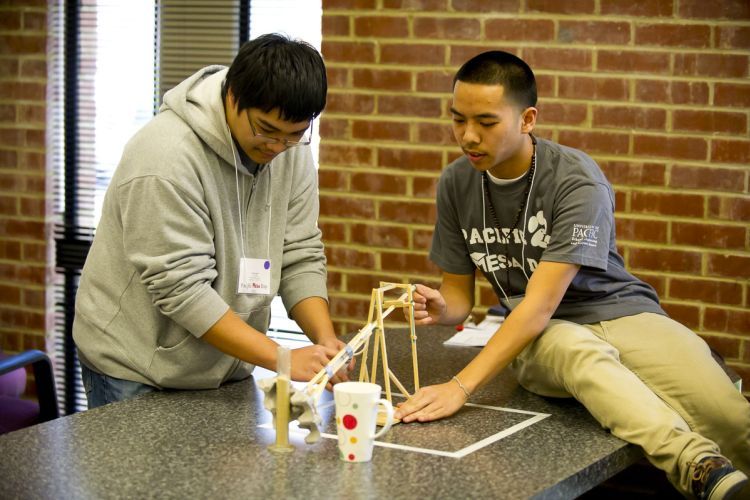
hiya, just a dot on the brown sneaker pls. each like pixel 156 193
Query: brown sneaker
pixel 714 478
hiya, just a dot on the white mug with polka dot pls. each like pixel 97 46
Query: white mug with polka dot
pixel 356 414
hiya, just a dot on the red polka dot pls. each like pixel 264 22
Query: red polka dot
pixel 351 456
pixel 350 421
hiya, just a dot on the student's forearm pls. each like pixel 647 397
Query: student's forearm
pixel 311 314
pixel 233 336
pixel 458 305
pixel 518 329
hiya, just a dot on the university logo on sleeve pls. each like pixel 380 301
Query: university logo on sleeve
pixel 585 235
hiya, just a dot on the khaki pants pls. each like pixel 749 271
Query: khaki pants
pixel 651 382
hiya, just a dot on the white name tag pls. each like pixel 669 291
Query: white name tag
pixel 255 276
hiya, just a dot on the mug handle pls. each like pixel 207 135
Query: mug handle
pixel 388 419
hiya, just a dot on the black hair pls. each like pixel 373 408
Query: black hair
pixel 274 71
pixel 501 68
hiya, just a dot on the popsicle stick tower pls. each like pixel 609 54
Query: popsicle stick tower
pixel 370 338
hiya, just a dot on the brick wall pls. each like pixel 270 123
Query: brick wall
pixel 656 91
pixel 23 246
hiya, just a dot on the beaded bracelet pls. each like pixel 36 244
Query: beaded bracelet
pixel 468 394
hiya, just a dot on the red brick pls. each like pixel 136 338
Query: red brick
pixel 34 252
pixel 33 207
pixel 475 6
pixel 726 320
pixel 652 8
pixel 360 52
pixel 726 9
pixel 407 212
pixel 21 228
pixel 359 104
pixel 663 260
pixel 335 128
pixel 35 138
pixel 33 298
pixel 430 28
pixel 596 142
pixel 380 130
pixel 629 117
pixel 626 61
pixel 729 208
pixel 708 235
pixel 345 155
pixel 335 281
pixel 422 239
pixel 8 113
pixel 10 250
pixel 399 261
pixel 32 114
pixel 710 121
pixel 713 178
pixel 653 231
pixel 32 68
pixel 382 79
pixel 335 25
pixel 412 54
pixel 728 348
pixel 562 6
pixel 337 77
pixel 435 81
pixel 732 94
pixel 676 204
pixel 367 182
pixel 349 257
pixel 528 30
pixel 364 283
pixel 381 26
pixel 351 308
pixel 663 92
pixel 425 187
pixel 565 113
pixel 22 44
pixel 425 107
pixel 332 232
pixel 540 58
pixel 348 4
pixel 34 21
pixel 332 179
pixel 673 35
pixel 10 20
pixel 708 291
pixel 686 148
pixel 353 208
pixel 380 236
pixel 728 151
pixel 410 159
pixel 433 133
pixel 580 87
pixel 634 173
pixel 418 5
pixel 733 37
pixel 728 266
pixel 594 32
pixel 8 205
pixel 711 65
pixel 10 295
pixel 688 315
pixel 21 318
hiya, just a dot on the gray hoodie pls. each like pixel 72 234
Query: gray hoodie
pixel 164 264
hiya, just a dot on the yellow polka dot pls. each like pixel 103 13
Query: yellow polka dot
pixel 353 440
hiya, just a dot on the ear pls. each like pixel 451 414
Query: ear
pixel 528 120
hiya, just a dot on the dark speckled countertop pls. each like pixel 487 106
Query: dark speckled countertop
pixel 208 444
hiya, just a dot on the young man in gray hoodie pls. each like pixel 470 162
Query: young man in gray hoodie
pixel 211 212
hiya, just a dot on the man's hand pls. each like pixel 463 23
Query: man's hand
pixel 431 403
pixel 429 305
pixel 343 374
pixel 308 361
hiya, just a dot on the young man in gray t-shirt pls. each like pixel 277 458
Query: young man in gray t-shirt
pixel 537 219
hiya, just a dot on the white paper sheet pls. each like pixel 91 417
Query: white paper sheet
pixel 476 335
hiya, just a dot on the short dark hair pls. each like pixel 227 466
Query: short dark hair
pixel 274 71
pixel 501 68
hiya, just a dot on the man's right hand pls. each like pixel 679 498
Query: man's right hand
pixel 308 361
pixel 429 305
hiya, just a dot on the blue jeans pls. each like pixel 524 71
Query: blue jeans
pixel 103 389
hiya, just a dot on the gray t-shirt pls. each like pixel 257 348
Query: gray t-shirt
pixel 569 218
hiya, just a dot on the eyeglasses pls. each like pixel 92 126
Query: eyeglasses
pixel 305 139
